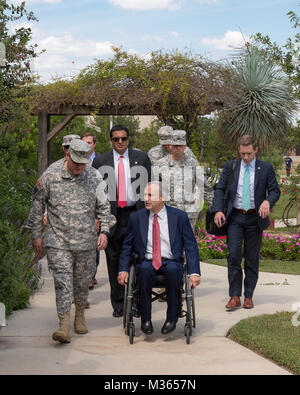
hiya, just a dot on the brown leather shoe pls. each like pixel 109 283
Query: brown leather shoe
pixel 248 303
pixel 234 303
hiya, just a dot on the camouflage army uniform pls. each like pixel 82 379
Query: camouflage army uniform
pixel 157 153
pixel 165 137
pixel 180 196
pixel 70 236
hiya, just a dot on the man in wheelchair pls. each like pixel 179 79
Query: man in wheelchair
pixel 158 235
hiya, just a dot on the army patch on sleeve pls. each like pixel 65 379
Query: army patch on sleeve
pixel 38 186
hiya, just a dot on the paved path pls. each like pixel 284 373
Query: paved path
pixel 280 224
pixel 26 346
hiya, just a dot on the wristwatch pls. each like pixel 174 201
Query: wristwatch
pixel 105 233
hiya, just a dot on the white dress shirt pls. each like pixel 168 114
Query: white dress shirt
pixel 165 245
pixel 129 196
pixel 239 192
pixel 92 157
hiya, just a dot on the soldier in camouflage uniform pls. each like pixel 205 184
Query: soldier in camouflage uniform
pixel 184 178
pixel 74 193
pixel 164 149
pixel 65 146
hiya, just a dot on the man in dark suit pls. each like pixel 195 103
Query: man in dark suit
pixel 91 140
pixel 158 234
pixel 126 172
pixel 253 192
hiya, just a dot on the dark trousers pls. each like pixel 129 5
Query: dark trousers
pixel 97 258
pixel 146 273
pixel 243 235
pixel 112 253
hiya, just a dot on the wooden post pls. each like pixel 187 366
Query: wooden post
pixel 57 128
pixel 43 127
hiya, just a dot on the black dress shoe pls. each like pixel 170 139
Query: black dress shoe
pixel 117 313
pixel 168 327
pixel 147 327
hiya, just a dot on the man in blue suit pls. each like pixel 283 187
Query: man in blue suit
pixel 253 192
pixel 160 251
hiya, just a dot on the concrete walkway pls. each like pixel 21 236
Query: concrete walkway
pixel 26 346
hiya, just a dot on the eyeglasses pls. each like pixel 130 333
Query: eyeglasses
pixel 117 139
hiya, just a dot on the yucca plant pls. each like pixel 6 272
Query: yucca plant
pixel 261 100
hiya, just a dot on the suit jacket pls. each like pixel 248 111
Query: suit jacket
pixel 181 237
pixel 265 188
pixel 105 164
pixel 95 160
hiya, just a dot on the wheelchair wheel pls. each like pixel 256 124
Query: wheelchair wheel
pixel 125 305
pixel 128 297
pixel 189 317
pixel 188 333
pixel 131 333
pixel 193 309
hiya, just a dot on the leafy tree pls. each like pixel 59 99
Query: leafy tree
pixel 262 103
pixel 17 148
pixel 15 79
pixel 286 56
pixel 148 137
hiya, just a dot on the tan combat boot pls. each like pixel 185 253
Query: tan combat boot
pixel 63 332
pixel 79 322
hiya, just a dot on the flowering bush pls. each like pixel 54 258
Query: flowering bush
pixel 291 186
pixel 273 247
pixel 276 247
pixel 211 246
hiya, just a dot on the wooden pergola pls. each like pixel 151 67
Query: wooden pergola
pixel 45 135
pixel 166 86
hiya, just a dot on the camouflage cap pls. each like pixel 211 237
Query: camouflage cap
pixel 179 137
pixel 164 135
pixel 68 138
pixel 79 151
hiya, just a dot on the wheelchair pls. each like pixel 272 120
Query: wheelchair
pixel 131 301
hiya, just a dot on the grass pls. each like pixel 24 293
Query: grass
pixel 284 231
pixel 280 206
pixel 273 336
pixel 267 265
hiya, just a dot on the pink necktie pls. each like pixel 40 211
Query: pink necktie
pixel 121 183
pixel 156 252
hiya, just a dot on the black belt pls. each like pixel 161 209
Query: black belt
pixel 163 260
pixel 242 211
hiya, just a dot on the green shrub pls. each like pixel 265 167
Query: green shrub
pixel 18 276
pixel 273 247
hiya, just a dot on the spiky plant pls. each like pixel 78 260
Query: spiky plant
pixel 261 101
